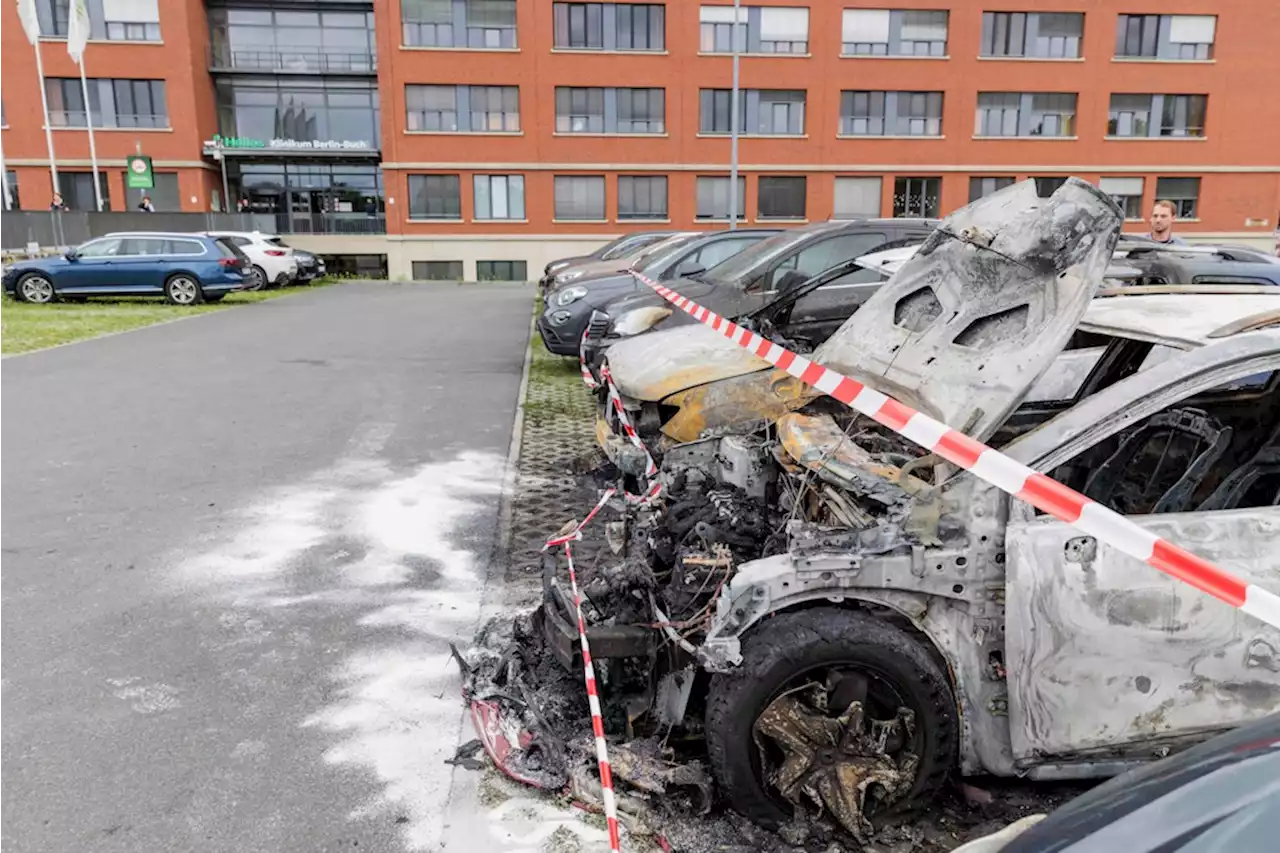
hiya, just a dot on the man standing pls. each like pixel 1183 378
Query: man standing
pixel 1162 215
pixel 146 206
pixel 57 203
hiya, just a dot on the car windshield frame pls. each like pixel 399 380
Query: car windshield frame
pixel 624 246
pixel 662 252
pixel 737 270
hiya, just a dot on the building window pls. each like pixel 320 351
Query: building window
pixel 1176 37
pixel 642 197
pixel 766 112
pixel 916 197
pixel 980 187
pixel 11 191
pixel 1047 185
pixel 463 109
pixel 858 198
pixel 477 24
pixel 893 32
pixel 499 196
pixel 293 41
pixel 1040 35
pixel 610 110
pixel 1183 192
pixel 1025 114
pixel 713 198
pixel 780 197
pixel 437 270
pixel 761 29
pixel 891 113
pixel 164 196
pixel 112 103
pixel 298 109
pixel 609 26
pixel 502 271
pixel 435 197
pixel 77 190
pixel 129 20
pixel 1179 115
pixel 1126 193
pixel 580 197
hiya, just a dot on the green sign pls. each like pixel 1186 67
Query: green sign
pixel 220 141
pixel 138 175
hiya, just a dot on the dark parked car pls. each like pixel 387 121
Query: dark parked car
pixel 310 266
pixel 614 248
pixel 1198 264
pixel 760 274
pixel 1220 795
pixel 183 268
pixel 569 309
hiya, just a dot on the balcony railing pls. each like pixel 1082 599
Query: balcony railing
pixel 308 61
pixel 48 229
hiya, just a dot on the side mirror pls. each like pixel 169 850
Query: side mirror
pixel 688 268
pixel 71 254
pixel 790 282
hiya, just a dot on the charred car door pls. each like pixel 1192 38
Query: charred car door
pixel 1108 658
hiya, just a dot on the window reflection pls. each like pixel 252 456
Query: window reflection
pixel 309 42
pixel 299 110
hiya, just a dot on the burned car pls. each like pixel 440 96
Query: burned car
pixel 834 620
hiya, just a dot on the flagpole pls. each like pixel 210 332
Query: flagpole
pixel 8 197
pixel 93 151
pixel 48 131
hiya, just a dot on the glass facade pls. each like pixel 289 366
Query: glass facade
pixel 301 109
pixel 311 197
pixel 293 41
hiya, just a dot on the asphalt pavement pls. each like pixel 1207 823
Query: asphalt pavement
pixel 234 550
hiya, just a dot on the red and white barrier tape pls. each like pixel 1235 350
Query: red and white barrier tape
pixel 615 400
pixel 994 467
pixel 587 378
pixel 589 674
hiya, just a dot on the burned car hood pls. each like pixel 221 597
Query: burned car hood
pixel 652 367
pixel 967 325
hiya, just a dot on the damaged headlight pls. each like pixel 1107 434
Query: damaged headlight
pixel 562 277
pixel 570 295
pixel 640 320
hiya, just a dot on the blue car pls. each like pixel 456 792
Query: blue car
pixel 185 269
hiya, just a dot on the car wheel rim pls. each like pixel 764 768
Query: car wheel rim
pixel 37 289
pixel 255 280
pixel 183 290
pixel 841 740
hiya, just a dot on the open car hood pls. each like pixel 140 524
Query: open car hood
pixel 972 320
pixel 654 366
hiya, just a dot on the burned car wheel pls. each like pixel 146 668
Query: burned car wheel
pixel 835 711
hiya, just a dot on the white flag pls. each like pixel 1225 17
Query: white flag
pixel 30 19
pixel 5 195
pixel 77 28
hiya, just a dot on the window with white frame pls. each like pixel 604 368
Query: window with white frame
pixel 864 113
pixel 462 109
pixel 1126 193
pixel 1025 114
pixel 477 24
pixel 499 196
pixel 579 197
pixel 1039 35
pixel 1129 115
pixel 582 109
pixel 917 197
pixel 985 186
pixel 712 197
pixel 760 29
pixel 1183 192
pixel 894 32
pixel 130 20
pixel 609 26
pixel 642 197
pixel 767 112
pixel 1156 115
pixel 435 197
pixel 857 198
pixel 1172 37
pixel 1182 115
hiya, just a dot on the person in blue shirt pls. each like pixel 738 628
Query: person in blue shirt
pixel 1162 216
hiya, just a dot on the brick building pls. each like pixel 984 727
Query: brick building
pixel 485 137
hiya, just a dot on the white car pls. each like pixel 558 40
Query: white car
pixel 273 262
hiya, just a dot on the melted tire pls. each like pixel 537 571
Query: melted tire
pixel 783 647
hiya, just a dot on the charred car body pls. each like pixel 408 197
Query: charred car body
pixel 836 620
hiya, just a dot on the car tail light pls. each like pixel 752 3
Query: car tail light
pixel 229 262
pixel 276 253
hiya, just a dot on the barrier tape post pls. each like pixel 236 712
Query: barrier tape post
pixel 589 674
pixel 995 468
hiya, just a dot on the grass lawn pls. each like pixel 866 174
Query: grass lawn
pixel 555 385
pixel 26 327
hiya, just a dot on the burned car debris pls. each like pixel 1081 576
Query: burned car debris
pixel 826 622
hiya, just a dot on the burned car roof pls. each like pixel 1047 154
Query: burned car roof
pixel 1181 320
